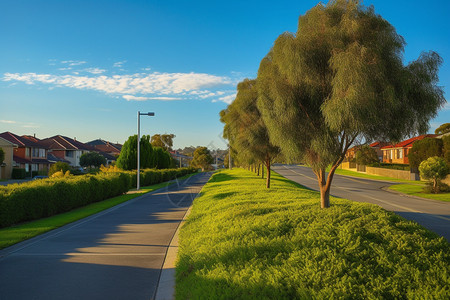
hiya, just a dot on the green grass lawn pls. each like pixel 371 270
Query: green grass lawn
pixel 15 234
pixel 242 241
pixel 417 190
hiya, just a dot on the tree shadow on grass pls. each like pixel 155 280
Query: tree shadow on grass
pixel 222 177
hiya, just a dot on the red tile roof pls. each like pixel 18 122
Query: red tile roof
pixel 59 142
pixel 409 142
pixel 20 141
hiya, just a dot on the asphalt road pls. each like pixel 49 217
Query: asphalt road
pixel 116 254
pixel 432 214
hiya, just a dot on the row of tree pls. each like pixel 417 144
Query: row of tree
pixel 338 80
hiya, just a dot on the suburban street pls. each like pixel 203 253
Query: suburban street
pixel 116 254
pixel 432 214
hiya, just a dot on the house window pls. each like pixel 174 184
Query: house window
pixel 69 153
pixel 400 153
pixel 42 153
pixel 391 154
pixel 27 152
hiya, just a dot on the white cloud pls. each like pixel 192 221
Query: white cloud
pixel 73 62
pixel 154 84
pixel 65 69
pixel 227 99
pixel 447 106
pixel 95 70
pixel 8 122
pixel 119 64
pixel 134 98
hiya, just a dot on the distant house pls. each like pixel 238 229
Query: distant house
pixel 106 147
pixel 398 153
pixel 29 154
pixel 65 148
pixel 8 162
pixel 108 150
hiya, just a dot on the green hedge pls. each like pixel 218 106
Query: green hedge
pixel 47 197
pixel 18 173
pixel 390 166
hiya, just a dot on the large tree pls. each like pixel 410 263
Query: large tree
pixel 245 129
pixel 341 79
pixel 128 155
pixel 423 149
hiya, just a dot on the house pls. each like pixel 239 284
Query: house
pixel 398 153
pixel 377 147
pixel 106 147
pixel 29 154
pixel 65 148
pixel 7 165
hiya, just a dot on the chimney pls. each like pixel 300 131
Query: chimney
pixel 75 138
pixel 34 135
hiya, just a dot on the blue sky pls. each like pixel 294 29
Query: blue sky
pixel 84 68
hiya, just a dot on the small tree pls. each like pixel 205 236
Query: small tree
pixel 446 149
pixel 92 159
pixel 164 141
pixel 2 156
pixel 202 158
pixel 128 155
pixel 443 129
pixel 58 167
pixel 423 149
pixel 366 155
pixel 434 169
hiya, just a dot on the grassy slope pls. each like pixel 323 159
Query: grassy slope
pixel 242 241
pixel 417 190
pixel 15 234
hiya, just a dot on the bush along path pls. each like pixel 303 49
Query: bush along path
pixel 242 241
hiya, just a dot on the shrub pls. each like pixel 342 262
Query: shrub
pixel 18 173
pixel 2 156
pixel 435 169
pixel 58 166
pixel 423 149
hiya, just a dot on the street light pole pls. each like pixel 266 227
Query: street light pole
pixel 138 178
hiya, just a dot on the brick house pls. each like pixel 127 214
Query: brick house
pixel 67 149
pixel 398 153
pixel 106 147
pixel 29 154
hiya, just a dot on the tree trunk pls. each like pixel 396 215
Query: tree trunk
pixel 435 186
pixel 324 188
pixel 257 170
pixel 268 172
pixel 262 171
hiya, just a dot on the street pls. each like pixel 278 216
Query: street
pixel 115 254
pixel 432 214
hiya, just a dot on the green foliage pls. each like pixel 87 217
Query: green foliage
pixel 202 159
pixel 161 158
pixel 164 141
pixel 366 155
pixel 446 149
pixel 435 169
pixel 18 173
pixel 47 197
pixel 244 242
pixel 2 156
pixel 423 149
pixel 339 78
pixel 390 166
pixel 443 129
pixel 92 159
pixel 57 167
pixel 128 155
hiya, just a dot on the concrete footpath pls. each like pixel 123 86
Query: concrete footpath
pixel 116 254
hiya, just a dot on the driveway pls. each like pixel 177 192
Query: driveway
pixel 116 254
pixel 432 214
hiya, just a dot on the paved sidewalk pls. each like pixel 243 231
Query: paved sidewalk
pixel 116 254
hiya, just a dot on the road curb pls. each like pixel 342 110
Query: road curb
pixel 166 285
